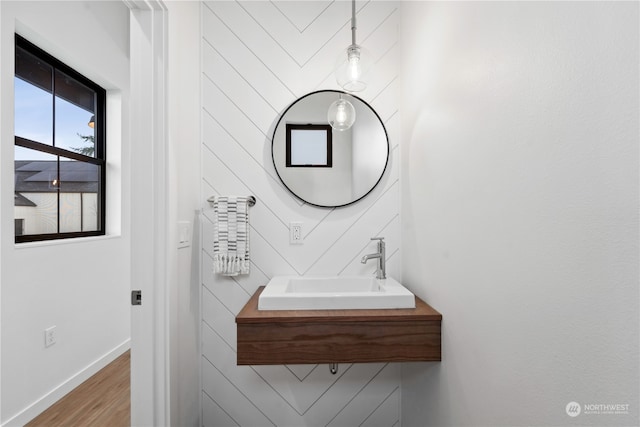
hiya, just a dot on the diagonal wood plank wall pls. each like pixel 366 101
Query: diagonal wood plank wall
pixel 257 58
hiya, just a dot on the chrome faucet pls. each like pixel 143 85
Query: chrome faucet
pixel 381 256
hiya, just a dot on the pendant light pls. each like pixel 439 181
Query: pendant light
pixel 341 114
pixel 354 63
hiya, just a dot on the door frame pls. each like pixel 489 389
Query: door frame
pixel 150 255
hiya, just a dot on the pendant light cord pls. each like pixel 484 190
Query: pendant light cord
pixel 353 22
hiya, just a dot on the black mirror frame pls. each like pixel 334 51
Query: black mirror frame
pixel 275 129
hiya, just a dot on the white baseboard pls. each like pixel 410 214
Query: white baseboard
pixel 40 405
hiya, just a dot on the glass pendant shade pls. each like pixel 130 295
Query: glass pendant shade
pixel 352 68
pixel 341 115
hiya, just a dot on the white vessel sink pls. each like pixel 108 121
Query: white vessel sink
pixel 334 293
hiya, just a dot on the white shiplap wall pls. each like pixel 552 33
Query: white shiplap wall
pixel 257 58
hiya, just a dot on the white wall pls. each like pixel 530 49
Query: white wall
pixel 520 208
pixel 258 57
pixel 81 286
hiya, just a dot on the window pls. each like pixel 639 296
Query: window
pixel 59 149
pixel 308 146
pixel 19 225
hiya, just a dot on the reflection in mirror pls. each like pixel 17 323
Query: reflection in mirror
pixel 309 146
pixel 355 159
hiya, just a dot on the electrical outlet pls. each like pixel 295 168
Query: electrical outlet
pixel 295 233
pixel 50 336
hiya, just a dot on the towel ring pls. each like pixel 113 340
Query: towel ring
pixel 251 201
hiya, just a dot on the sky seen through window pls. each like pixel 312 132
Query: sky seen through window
pixel 34 120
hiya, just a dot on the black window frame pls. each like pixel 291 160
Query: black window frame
pixel 99 144
pixel 312 127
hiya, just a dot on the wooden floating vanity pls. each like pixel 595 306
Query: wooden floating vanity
pixel 276 337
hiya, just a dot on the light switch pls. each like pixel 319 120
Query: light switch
pixel 184 234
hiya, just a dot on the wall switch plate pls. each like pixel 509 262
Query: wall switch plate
pixel 184 234
pixel 50 336
pixel 295 233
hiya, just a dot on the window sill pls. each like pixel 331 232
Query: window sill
pixel 58 242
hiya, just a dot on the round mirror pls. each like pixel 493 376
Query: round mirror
pixel 321 165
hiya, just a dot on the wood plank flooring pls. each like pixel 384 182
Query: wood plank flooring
pixel 102 400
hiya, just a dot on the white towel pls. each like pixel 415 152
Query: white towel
pixel 231 235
